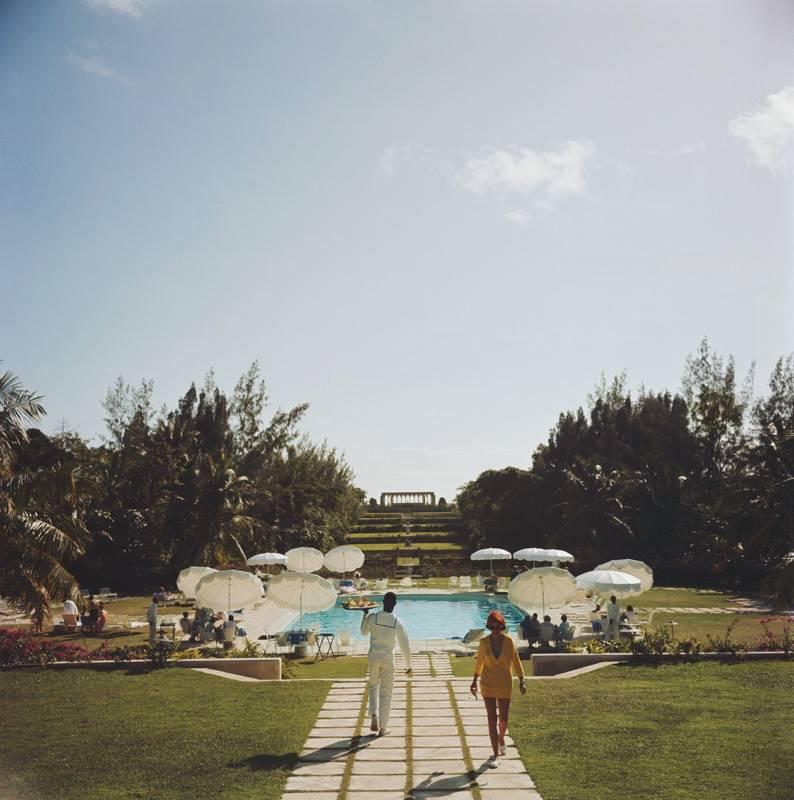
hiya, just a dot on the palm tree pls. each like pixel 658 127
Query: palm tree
pixel 40 525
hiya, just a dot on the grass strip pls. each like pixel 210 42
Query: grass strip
pixel 467 758
pixel 355 743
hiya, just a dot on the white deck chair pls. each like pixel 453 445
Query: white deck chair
pixel 381 584
pixel 465 582
pixel 453 581
pixel 406 582
pixel 502 583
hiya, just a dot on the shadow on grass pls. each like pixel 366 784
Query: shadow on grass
pixel 266 762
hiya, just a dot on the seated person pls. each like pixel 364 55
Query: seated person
pixel 185 625
pixel 531 628
pixel 595 619
pixel 346 586
pixel 102 618
pixel 564 629
pixel 229 629
pixel 362 584
pixel 489 583
pixel 218 620
pixel 628 615
pixel 546 631
pixel 162 595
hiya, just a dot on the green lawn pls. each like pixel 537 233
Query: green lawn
pixel 463 666
pixel 329 668
pixel 695 598
pixel 167 735
pixel 705 731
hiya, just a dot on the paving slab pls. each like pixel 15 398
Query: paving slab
pixel 436 741
pixel 377 783
pixel 369 795
pixel 473 740
pixel 423 768
pixel 392 754
pixel 434 730
pixel 460 795
pixel 507 765
pixel 319 768
pixel 379 767
pixel 328 743
pixel 313 783
pixel 311 795
pixel 438 753
pixel 481 754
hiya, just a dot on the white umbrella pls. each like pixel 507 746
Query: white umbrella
pixel 609 582
pixel 302 591
pixel 304 559
pixel 639 569
pixel 345 558
pixel 542 554
pixel 542 586
pixel 267 560
pixel 188 578
pixel 491 554
pixel 228 588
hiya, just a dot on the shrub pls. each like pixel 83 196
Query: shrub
pixel 725 644
pixel 770 640
pixel 160 652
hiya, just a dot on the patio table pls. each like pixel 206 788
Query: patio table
pixel 325 645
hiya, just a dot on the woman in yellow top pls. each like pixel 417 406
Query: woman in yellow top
pixel 497 659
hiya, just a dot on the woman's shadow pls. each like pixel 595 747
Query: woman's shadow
pixel 444 785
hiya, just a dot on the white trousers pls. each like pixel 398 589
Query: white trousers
pixel 380 685
pixel 152 631
pixel 612 629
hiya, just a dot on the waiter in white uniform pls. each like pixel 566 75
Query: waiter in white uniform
pixel 385 630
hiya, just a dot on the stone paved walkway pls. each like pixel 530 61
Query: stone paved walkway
pixel 437 747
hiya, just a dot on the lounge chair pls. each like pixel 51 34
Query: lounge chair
pixel 69 624
pixel 453 581
pixel 381 584
pixel 343 638
pixel 502 584
pixel 472 638
pixel 106 594
pixel 406 582
pixel 465 582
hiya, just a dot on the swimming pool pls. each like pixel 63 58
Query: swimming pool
pixel 428 616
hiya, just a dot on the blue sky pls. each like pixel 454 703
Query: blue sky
pixel 438 223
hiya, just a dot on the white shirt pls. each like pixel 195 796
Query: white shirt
pixel 385 630
pixel 229 630
pixel 613 612
pixel 70 607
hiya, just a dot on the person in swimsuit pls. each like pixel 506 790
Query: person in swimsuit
pixel 497 660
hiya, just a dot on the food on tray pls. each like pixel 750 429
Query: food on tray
pixel 358 602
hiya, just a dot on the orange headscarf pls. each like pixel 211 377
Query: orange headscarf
pixel 495 617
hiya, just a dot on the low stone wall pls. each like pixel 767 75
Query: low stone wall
pixel 556 663
pixel 263 669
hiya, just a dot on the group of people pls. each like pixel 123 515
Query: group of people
pixel 205 626
pixel 546 632
pixel 497 662
pixel 93 620
pixel 609 621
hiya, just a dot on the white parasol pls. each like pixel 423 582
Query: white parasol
pixel 228 588
pixel 542 554
pixel 188 578
pixel 639 569
pixel 541 587
pixel 609 582
pixel 345 558
pixel 491 554
pixel 302 591
pixel 304 559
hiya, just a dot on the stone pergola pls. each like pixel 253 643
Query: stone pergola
pixel 407 498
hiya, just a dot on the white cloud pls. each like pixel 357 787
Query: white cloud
pixel 386 162
pixel 768 130
pixel 685 150
pixel 130 8
pixel 93 66
pixel 519 216
pixel 553 173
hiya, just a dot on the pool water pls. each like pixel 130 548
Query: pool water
pixel 424 616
